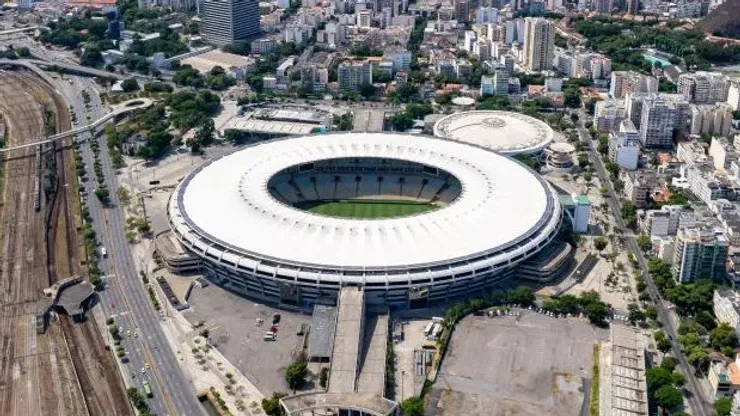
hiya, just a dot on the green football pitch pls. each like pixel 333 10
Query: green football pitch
pixel 364 208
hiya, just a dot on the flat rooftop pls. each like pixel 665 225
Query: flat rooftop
pixel 347 340
pixel 256 125
pixel 321 337
pixel 622 373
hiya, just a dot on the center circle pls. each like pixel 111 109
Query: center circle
pixel 364 188
pixel 494 122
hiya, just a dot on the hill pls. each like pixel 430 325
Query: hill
pixel 722 21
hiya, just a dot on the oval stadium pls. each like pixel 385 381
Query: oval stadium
pixel 505 132
pixel 412 219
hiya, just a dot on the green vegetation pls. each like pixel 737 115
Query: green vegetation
pixel 723 406
pixel 588 303
pixel 621 40
pixel 528 160
pixel 295 374
pixel 644 242
pixel 594 406
pixel 364 51
pixel 168 43
pixel 404 121
pixel 413 406
pixel 629 214
pixel 324 377
pixel 138 401
pixel 130 85
pixel 192 108
pixel 153 298
pixel 343 122
pixel 271 405
pixel 203 136
pixel 600 243
pixel 113 141
pixel 663 384
pixel 71 31
pixel 364 208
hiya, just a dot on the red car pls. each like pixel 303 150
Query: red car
pixel 273 329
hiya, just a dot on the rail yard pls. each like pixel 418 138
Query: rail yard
pixel 65 370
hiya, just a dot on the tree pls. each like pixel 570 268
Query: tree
pixel 413 406
pixel 130 85
pixel 644 242
pixel 723 336
pixel 663 345
pixel 401 122
pixel 324 376
pixel 635 314
pixel 600 243
pixel 706 320
pixel 522 295
pixel 698 358
pixel 103 194
pixel 669 363
pixel 596 313
pixel 271 405
pixel 668 397
pixel 723 406
pixel 204 135
pixel 658 377
pixel 367 90
pixel 295 374
pixel 651 313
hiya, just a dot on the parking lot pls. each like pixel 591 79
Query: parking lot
pixel 241 341
pixel 530 364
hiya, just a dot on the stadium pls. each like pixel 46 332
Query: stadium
pixel 504 132
pixel 412 219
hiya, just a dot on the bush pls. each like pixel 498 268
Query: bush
pixel 295 374
pixel 324 376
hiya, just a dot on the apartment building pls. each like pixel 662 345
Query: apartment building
pixel 539 44
pixel 722 153
pixel 228 21
pixel 713 120
pixel 637 187
pixel 700 253
pixel 703 87
pixel 662 117
pixel 608 114
pixel 623 82
pixel 667 220
pixel 708 186
pixel 352 75
pixel 624 146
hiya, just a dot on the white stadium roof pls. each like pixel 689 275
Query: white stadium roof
pixel 501 131
pixel 502 202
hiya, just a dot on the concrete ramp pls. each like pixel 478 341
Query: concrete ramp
pixel 345 357
pixel 372 367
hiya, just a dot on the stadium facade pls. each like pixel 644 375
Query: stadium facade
pixel 241 215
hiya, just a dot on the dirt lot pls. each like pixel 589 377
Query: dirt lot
pixel 526 365
pixel 241 341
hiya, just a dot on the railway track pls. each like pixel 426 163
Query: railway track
pixel 65 371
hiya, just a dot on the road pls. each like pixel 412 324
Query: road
pixel 698 404
pixel 125 297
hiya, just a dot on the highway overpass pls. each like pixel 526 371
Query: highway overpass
pixel 123 108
